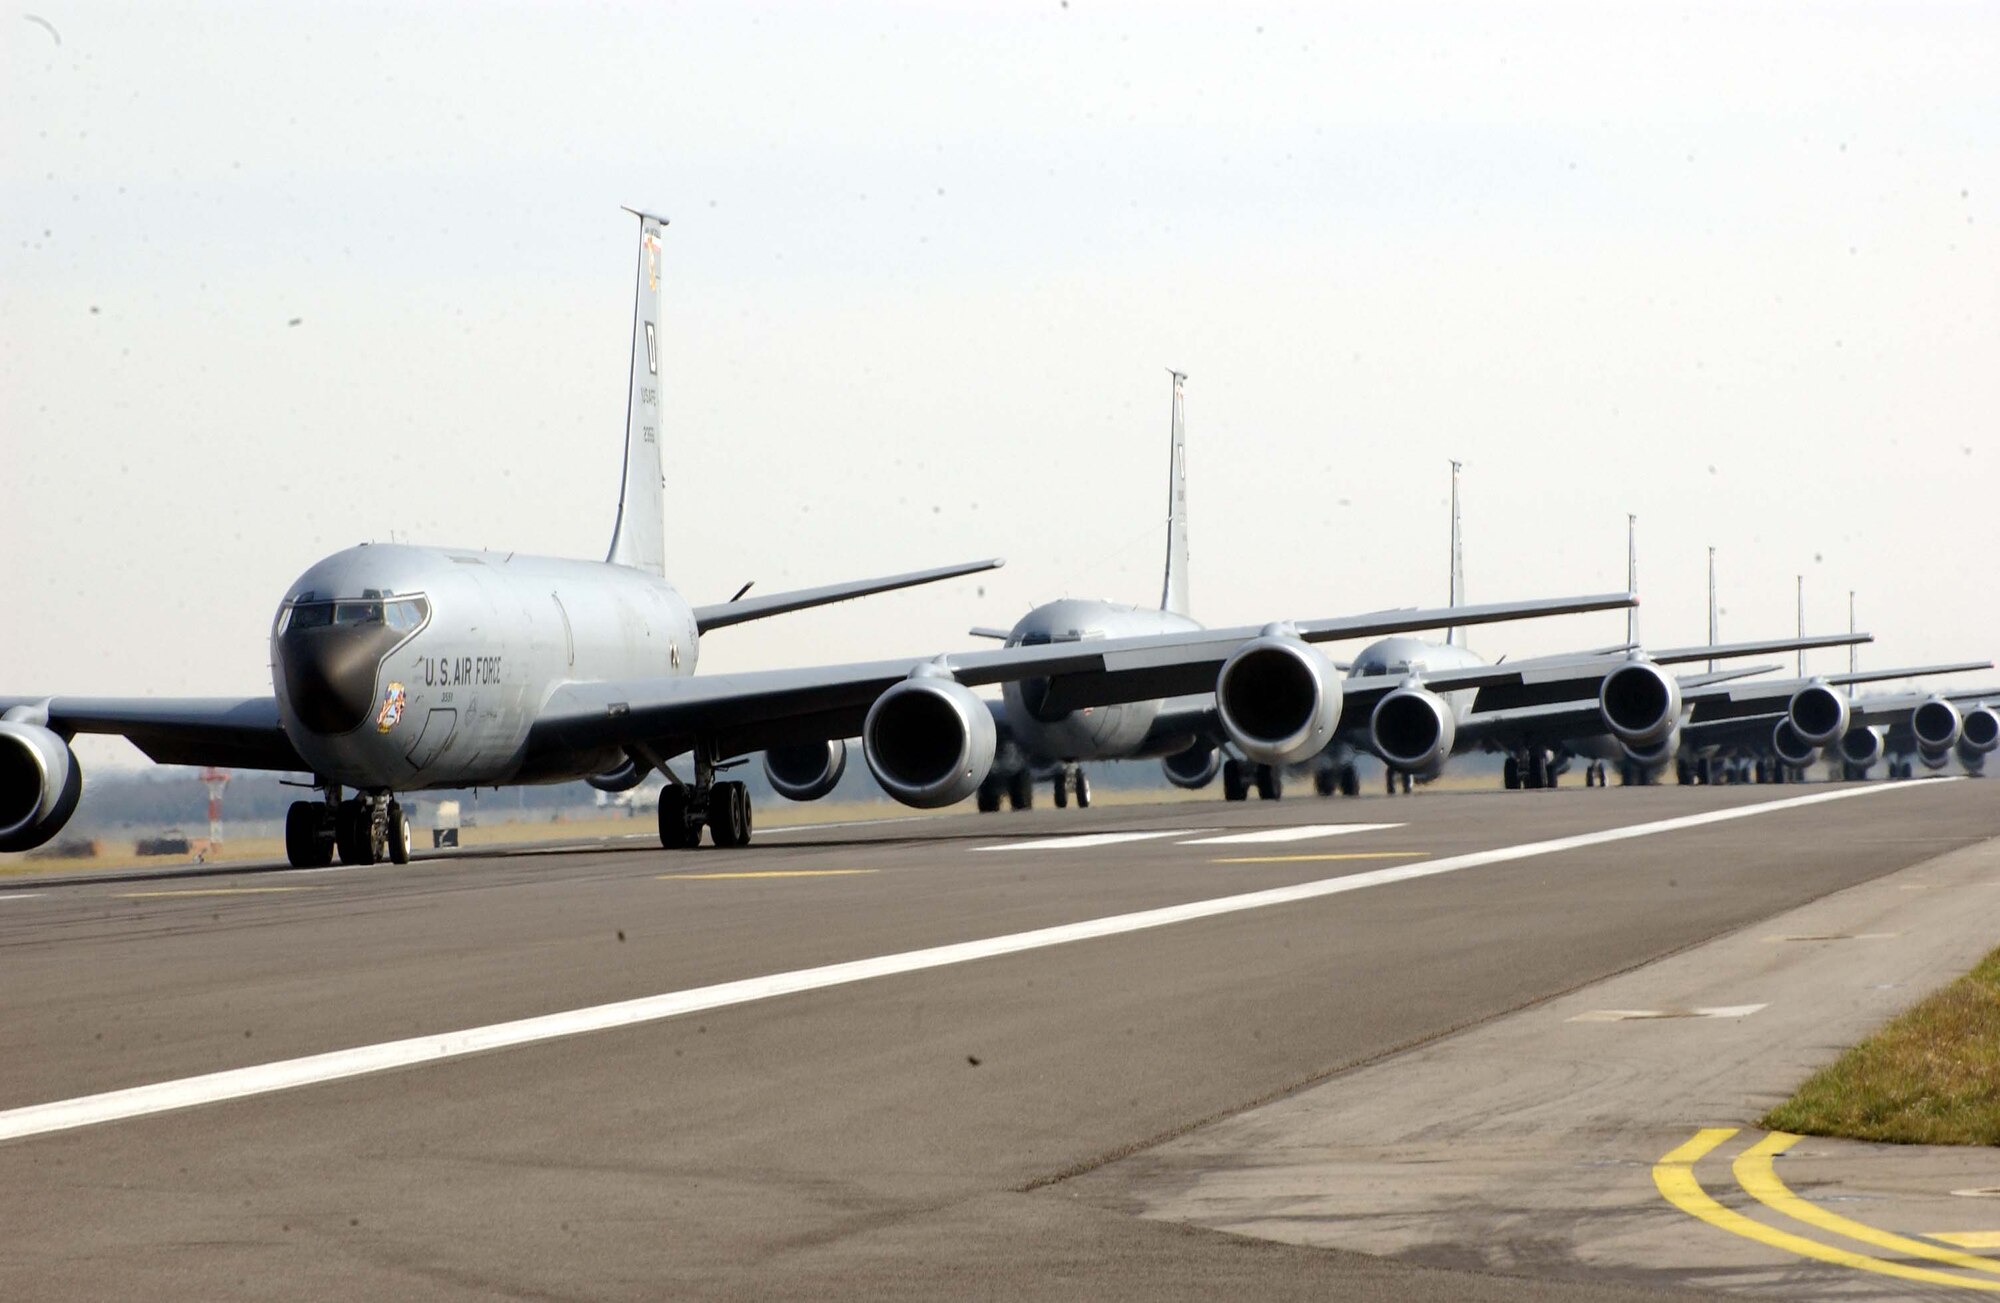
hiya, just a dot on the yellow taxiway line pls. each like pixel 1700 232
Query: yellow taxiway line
pixel 1754 1173
pixel 1674 1176
pixel 1320 859
pixel 765 873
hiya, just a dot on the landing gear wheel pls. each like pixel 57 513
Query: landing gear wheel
pixel 399 834
pixel 354 832
pixel 729 815
pixel 989 796
pixel 1021 791
pixel 1061 786
pixel 1510 774
pixel 1538 769
pixel 1082 790
pixel 1325 780
pixel 1683 775
pixel 1350 781
pixel 677 831
pixel 1270 783
pixel 309 835
pixel 1407 780
pixel 1234 786
pixel 1389 781
pixel 1704 772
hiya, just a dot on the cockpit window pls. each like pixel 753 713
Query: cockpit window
pixel 398 613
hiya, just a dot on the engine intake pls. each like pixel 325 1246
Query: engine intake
pixel 1861 747
pixel 40 783
pixel 1937 724
pixel 1980 731
pixel 1640 702
pixel 1194 767
pixel 806 773
pixel 1818 713
pixel 1654 755
pixel 1413 729
pixel 929 741
pixel 1278 697
pixel 1791 748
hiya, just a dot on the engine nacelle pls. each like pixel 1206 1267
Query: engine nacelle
pixel 1938 726
pixel 1973 762
pixel 40 782
pixel 622 779
pixel 1413 729
pixel 1194 767
pixel 1654 755
pixel 928 740
pixel 1979 732
pixel 1934 759
pixel 806 773
pixel 1861 747
pixel 1279 698
pixel 1791 748
pixel 1640 702
pixel 1818 713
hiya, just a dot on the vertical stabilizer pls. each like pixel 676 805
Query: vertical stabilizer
pixel 1802 624
pixel 1632 577
pixel 1853 659
pixel 639 540
pixel 1713 610
pixel 1174 596
pixel 1455 637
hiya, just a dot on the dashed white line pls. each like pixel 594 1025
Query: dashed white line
pixel 19 895
pixel 1305 832
pixel 1083 841
pixel 337 1065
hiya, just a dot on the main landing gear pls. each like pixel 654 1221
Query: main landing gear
pixel 365 829
pixel 1328 779
pixel 1239 776
pixel 1534 772
pixel 722 807
pixel 1017 789
pixel 1068 780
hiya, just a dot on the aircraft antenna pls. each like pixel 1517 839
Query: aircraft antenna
pixel 1455 637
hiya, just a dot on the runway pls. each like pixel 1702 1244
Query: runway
pixel 905 1131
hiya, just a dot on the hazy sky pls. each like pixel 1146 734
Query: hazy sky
pixel 1731 267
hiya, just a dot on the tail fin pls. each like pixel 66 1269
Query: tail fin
pixel 1632 577
pixel 1802 624
pixel 1456 637
pixel 1713 611
pixel 1852 667
pixel 639 540
pixel 1174 596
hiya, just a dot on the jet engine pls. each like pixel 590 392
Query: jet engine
pixel 1973 762
pixel 1278 697
pixel 1938 726
pixel 1413 729
pixel 622 779
pixel 1791 748
pixel 1640 702
pixel 1818 713
pixel 1654 755
pixel 40 782
pixel 1194 767
pixel 928 740
pixel 1980 732
pixel 1861 748
pixel 806 773
pixel 1934 759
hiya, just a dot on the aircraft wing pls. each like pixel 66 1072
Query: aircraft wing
pixel 722 614
pixel 739 713
pixel 1895 708
pixel 1759 647
pixel 233 732
pixel 1736 700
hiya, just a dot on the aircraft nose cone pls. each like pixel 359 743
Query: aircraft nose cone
pixel 330 673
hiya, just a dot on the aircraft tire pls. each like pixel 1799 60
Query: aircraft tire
pixel 399 834
pixel 729 815
pixel 1388 781
pixel 989 796
pixel 1350 781
pixel 1270 783
pixel 1021 791
pixel 1234 788
pixel 308 835
pixel 1061 786
pixel 1325 781
pixel 1082 790
pixel 354 832
pixel 1510 774
pixel 677 831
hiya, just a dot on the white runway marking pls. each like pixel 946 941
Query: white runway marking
pixel 337 1065
pixel 19 895
pixel 1305 832
pixel 1649 1015
pixel 843 823
pixel 1084 841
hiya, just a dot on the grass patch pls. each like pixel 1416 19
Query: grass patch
pixel 1931 1077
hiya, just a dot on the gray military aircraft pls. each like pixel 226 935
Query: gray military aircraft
pixel 400 668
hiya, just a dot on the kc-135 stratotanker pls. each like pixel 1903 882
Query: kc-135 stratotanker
pixel 399 668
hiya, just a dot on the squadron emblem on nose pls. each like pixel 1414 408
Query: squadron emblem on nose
pixel 392 708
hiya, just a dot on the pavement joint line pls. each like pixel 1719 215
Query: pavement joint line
pixel 340 1065
pixel 1330 855
pixel 1673 1176
pixel 214 891
pixel 1754 1171
pixel 1305 832
pixel 764 873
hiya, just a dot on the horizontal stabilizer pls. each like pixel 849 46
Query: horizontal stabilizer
pixel 1907 672
pixel 982 631
pixel 1725 676
pixel 723 614
pixel 1762 647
